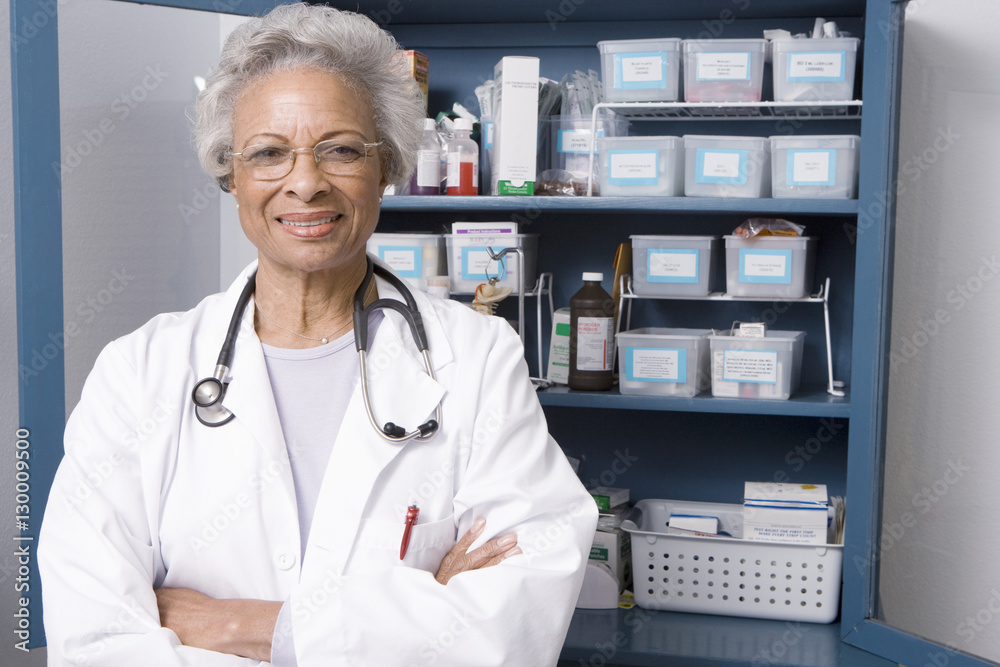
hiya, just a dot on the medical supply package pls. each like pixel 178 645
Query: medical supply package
pixel 614 549
pixel 607 497
pixel 785 512
pixel 515 126
pixel 418 66
pixel 558 371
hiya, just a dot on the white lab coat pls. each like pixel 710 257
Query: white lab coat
pixel 146 496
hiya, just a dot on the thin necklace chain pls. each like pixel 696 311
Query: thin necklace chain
pixel 325 339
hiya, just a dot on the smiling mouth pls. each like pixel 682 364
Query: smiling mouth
pixel 310 223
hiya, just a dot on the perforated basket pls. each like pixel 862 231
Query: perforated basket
pixel 729 576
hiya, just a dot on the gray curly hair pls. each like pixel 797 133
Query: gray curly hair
pixel 302 36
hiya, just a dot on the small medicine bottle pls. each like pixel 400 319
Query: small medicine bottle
pixel 463 160
pixel 591 336
pixel 427 178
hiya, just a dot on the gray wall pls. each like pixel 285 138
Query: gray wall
pixel 140 218
pixel 941 531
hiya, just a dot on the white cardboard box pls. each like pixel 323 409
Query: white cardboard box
pixel 784 512
pixel 614 549
pixel 515 126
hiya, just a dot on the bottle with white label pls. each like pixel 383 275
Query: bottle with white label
pixel 427 177
pixel 591 336
pixel 463 161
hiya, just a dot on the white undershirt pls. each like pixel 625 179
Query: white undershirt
pixel 312 389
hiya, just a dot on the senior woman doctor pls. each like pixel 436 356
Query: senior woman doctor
pixel 277 536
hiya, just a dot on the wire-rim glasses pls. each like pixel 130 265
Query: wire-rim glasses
pixel 268 162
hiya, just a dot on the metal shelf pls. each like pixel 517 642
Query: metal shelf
pixel 833 387
pixel 726 111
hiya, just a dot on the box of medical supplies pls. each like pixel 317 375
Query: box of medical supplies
pixel 770 266
pixel 675 570
pixel 674 265
pixel 613 549
pixel 657 361
pixel 470 265
pixel 723 70
pixel 641 166
pixel 608 497
pixel 758 368
pixel 412 256
pixel 807 70
pixel 515 126
pixel 570 137
pixel 717 166
pixel 640 70
pixel 815 167
pixel 418 66
pixel 559 348
pixel 785 512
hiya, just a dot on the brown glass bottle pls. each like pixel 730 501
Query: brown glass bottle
pixel 591 336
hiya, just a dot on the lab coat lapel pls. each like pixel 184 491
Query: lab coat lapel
pixel 400 391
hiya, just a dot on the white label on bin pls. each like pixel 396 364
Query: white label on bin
pixel 633 167
pixel 575 141
pixel 750 366
pixel 723 66
pixel 655 364
pixel 766 266
pixel 477 264
pixel 404 260
pixel 812 166
pixel 672 266
pixel 816 66
pixel 638 71
pixel 723 166
pixel 594 348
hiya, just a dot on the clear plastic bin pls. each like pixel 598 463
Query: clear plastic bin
pixel 756 368
pixel 640 70
pixel 727 575
pixel 469 263
pixel 717 166
pixel 807 70
pixel 723 70
pixel 770 266
pixel 569 140
pixel 815 167
pixel 413 256
pixel 673 265
pixel 641 166
pixel 663 362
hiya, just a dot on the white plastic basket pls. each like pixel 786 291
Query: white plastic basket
pixel 729 576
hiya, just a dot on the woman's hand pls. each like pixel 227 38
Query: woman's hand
pixel 237 627
pixel 460 559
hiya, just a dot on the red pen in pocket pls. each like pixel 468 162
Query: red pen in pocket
pixel 411 519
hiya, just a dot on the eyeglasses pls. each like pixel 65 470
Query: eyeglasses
pixel 268 162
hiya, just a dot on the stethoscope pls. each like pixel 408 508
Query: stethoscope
pixel 209 393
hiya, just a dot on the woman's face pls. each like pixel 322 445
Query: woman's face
pixel 308 220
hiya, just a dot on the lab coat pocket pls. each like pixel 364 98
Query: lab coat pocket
pixel 379 543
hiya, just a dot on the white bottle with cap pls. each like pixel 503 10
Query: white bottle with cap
pixel 427 177
pixel 463 160
pixel 591 336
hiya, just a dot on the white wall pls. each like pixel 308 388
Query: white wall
pixel 941 529
pixel 140 218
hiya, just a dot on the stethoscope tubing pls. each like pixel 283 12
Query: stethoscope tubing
pixel 209 393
